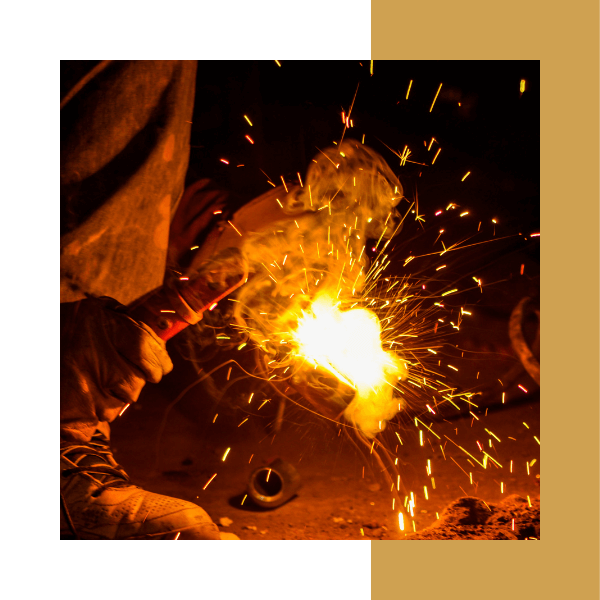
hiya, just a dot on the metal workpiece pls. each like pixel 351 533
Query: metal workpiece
pixel 274 484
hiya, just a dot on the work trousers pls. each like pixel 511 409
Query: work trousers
pixel 125 133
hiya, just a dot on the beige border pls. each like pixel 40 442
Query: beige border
pixel 565 39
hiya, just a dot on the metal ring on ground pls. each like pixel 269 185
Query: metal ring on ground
pixel 274 484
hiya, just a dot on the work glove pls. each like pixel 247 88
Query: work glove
pixel 106 359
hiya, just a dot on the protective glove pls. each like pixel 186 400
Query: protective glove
pixel 106 359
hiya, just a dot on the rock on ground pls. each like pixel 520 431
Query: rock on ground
pixel 471 518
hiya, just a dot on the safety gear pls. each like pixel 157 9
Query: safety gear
pixel 99 502
pixel 106 358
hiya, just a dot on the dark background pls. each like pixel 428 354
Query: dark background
pixel 481 121
pixel 296 108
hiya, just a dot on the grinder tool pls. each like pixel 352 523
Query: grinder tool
pixel 172 307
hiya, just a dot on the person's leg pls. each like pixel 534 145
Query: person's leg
pixel 125 129
pixel 124 152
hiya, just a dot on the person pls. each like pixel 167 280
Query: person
pixel 125 131
pixel 126 220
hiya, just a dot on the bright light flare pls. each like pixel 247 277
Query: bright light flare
pixel 348 345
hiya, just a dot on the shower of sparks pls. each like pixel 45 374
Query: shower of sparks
pixel 235 228
pixel 436 95
pixel 206 484
pixel 328 307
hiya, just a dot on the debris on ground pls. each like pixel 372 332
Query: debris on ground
pixel 469 518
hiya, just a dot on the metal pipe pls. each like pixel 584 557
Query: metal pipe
pixel 274 484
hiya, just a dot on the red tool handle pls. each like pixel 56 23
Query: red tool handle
pixel 171 308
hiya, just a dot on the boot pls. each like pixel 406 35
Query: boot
pixel 98 502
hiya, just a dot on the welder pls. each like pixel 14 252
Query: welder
pixel 127 225
pixel 125 132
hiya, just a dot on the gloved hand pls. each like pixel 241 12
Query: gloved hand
pixel 106 359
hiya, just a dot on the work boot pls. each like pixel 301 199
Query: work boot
pixel 99 503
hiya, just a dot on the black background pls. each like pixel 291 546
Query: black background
pixel 296 108
pixel 481 120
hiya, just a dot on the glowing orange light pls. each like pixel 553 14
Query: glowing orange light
pixel 206 484
pixel 236 229
pixel 436 95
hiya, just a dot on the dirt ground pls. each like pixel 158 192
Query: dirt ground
pixel 344 494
